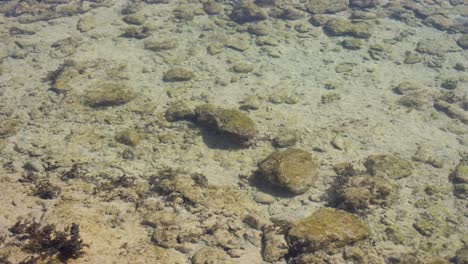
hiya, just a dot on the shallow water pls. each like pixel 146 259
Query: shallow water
pixel 206 131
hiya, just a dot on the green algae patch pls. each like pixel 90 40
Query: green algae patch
pixel 327 228
pixel 108 94
pixel 293 170
pixel 233 124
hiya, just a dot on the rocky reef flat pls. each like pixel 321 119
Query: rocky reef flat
pixel 214 131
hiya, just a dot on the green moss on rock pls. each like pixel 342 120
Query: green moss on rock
pixel 293 170
pixel 327 228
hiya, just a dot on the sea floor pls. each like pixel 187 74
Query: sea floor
pixel 266 131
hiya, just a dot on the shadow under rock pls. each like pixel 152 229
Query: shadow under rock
pixel 216 140
pixel 258 180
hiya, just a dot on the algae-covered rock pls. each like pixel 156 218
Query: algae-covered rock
pixel 462 255
pixel 135 19
pixel 247 11
pixel 128 137
pixel 407 87
pixel 390 166
pixel 415 100
pixel 160 45
pixel 178 74
pixel 351 44
pixel 327 228
pixel 183 13
pixel 211 7
pixel 233 124
pixel 360 192
pixel 86 23
pixel 293 170
pixel 344 27
pixel 108 94
pixel 461 173
pixel 242 67
pixel 180 110
pixel 274 246
pixel 326 6
pixel 364 3
pixel 463 41
pixel 211 255
pixel 8 127
pixel 137 32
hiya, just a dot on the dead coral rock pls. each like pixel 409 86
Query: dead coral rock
pixel 326 6
pixel 211 255
pixel 360 192
pixel 389 166
pixel 247 11
pixel 178 74
pixel 233 124
pixel 292 169
pixel 108 94
pixel 326 229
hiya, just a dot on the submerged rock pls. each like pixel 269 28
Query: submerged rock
pixel 274 246
pixel 233 124
pixel 128 137
pixel 463 41
pixel 180 110
pixel 326 6
pixel 247 11
pixel 360 192
pixel 178 74
pixel 293 170
pixel 327 228
pixel 86 23
pixel 108 94
pixel 364 3
pixel 210 255
pixel 344 27
pixel 211 7
pixel 160 45
pixel 390 166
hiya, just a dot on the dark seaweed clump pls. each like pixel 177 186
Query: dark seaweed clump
pixel 46 241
